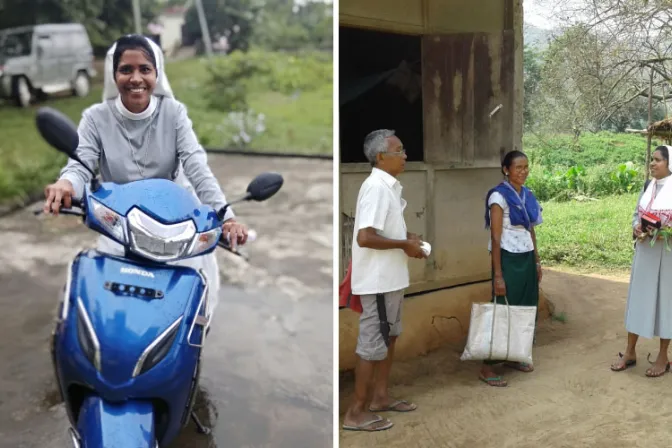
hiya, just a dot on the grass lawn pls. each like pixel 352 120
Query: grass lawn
pixel 592 236
pixel 297 124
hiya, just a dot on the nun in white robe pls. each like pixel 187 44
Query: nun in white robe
pixel 649 307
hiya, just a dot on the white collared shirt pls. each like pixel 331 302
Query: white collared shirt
pixel 379 205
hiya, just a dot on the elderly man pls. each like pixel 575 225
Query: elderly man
pixel 380 250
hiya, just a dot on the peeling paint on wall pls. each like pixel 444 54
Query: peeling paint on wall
pixel 420 214
pixel 495 53
pixel 458 125
pixel 457 91
pixel 437 84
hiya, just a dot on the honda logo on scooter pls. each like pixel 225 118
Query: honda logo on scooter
pixel 136 272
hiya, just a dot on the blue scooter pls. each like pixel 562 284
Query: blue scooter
pixel 130 329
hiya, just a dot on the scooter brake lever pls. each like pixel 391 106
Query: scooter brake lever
pixel 67 211
pixel 63 211
pixel 225 245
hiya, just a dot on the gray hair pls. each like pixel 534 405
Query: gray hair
pixel 375 143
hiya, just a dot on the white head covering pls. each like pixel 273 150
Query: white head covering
pixel 657 202
pixel 162 88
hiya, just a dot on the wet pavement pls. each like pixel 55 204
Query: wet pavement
pixel 267 369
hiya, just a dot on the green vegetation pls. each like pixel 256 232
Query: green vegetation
pixel 588 188
pixel 594 165
pixel 602 148
pixel 293 120
pixel 595 235
pixel 296 118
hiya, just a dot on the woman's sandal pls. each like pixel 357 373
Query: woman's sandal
pixel 626 365
pixel 650 372
pixel 495 381
pixel 520 366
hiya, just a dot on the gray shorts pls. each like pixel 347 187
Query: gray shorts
pixel 370 343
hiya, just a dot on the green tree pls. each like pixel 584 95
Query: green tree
pixel 317 18
pixel 583 85
pixel 104 21
pixel 285 26
pixel 603 62
pixel 532 63
pixel 232 19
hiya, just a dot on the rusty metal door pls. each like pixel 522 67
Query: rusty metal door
pixel 468 97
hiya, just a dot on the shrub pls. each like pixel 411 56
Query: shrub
pixel 286 76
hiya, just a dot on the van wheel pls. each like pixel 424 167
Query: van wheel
pixel 40 95
pixel 22 93
pixel 81 85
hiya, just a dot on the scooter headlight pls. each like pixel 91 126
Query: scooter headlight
pixel 111 221
pixel 87 336
pixel 157 241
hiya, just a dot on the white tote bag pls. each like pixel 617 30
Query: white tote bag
pixel 500 332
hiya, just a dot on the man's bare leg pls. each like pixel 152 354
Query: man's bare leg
pixel 381 398
pixel 358 413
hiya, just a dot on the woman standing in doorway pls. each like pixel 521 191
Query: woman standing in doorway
pixel 511 213
pixel 648 312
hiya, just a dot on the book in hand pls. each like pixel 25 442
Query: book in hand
pixel 650 222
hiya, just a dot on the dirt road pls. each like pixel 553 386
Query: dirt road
pixel 267 373
pixel 571 400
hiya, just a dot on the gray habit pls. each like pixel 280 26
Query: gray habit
pixel 649 308
pixel 126 150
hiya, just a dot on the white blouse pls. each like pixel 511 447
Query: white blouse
pixel 516 239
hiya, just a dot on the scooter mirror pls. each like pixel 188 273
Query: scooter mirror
pixel 58 130
pixel 264 186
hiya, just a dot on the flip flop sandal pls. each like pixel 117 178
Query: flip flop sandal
pixel 629 363
pixel 393 407
pixel 490 381
pixel 366 426
pixel 521 366
pixel 650 374
pixel 649 371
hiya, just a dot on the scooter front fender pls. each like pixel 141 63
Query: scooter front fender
pixel 103 424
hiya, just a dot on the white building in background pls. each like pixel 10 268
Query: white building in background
pixel 169 27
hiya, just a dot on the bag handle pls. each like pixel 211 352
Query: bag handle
pixel 508 322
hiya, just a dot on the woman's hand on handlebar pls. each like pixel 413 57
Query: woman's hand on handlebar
pixel 60 192
pixel 235 231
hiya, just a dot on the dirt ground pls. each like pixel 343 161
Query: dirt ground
pixel 571 400
pixel 267 371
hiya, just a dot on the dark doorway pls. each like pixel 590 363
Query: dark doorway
pixel 380 87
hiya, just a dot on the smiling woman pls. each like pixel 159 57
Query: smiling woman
pixel 140 131
pixel 511 213
pixel 135 72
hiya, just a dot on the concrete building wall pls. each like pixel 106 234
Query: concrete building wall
pixel 424 16
pixel 433 320
pixel 445 207
pixel 472 64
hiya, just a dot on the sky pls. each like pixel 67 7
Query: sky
pixel 303 2
pixel 536 14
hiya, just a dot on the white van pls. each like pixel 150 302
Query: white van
pixel 45 59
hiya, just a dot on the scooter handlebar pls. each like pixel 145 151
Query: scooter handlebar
pixel 76 204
